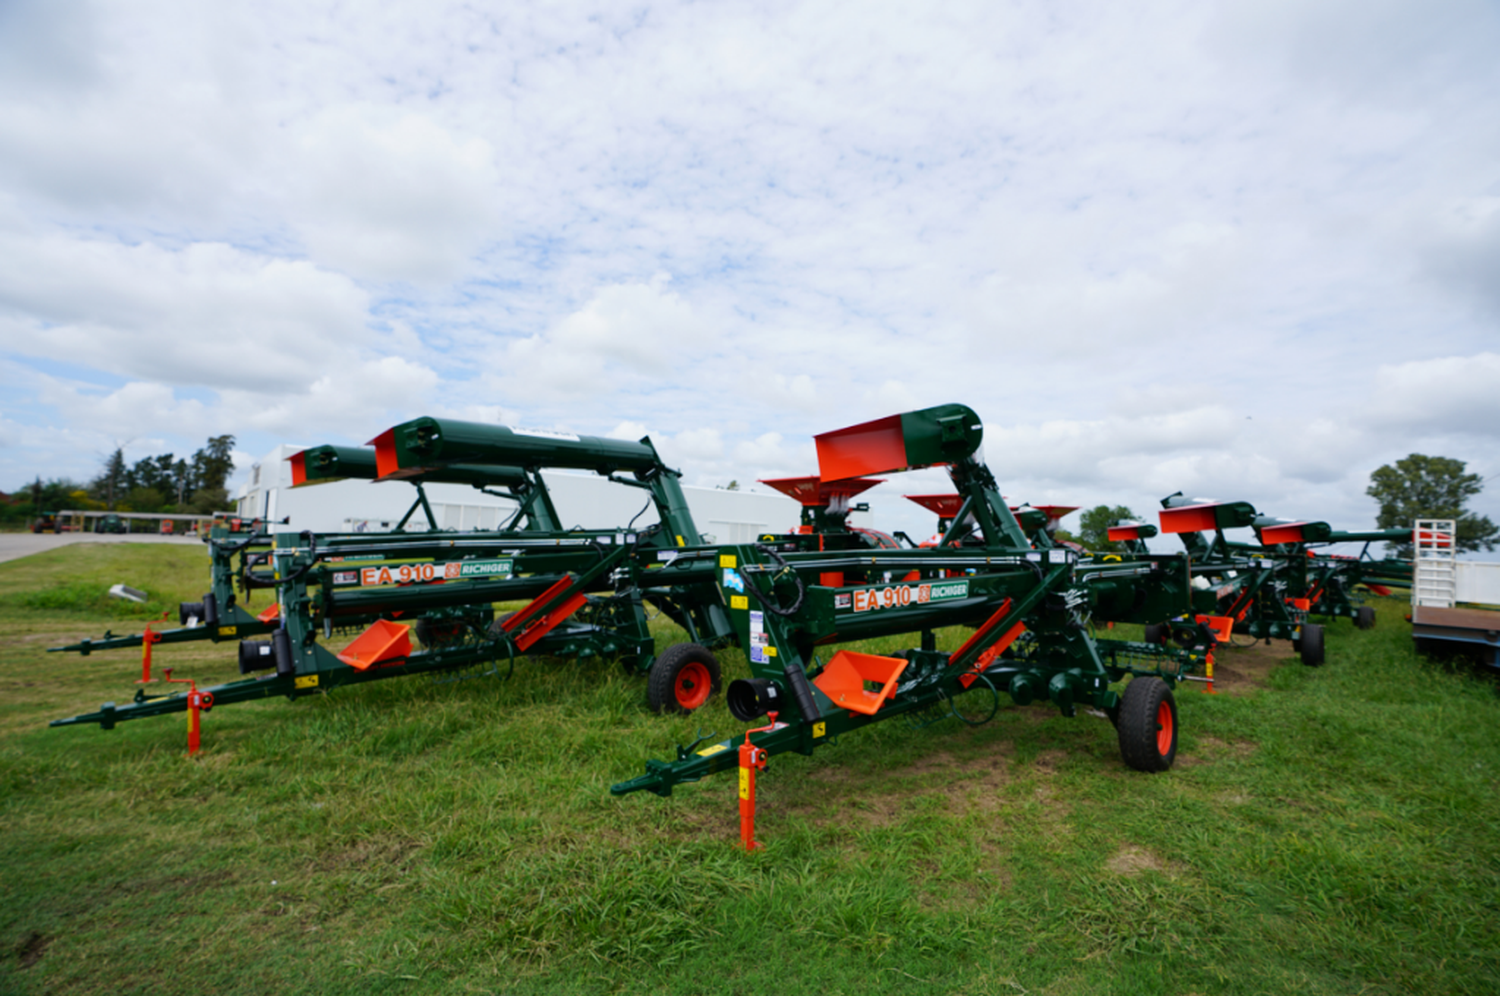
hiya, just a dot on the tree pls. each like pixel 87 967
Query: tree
pixel 152 472
pixel 1428 487
pixel 1093 527
pixel 141 499
pixel 211 465
pixel 112 481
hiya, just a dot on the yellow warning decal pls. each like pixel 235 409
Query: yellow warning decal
pixel 711 751
pixel 770 651
pixel 307 681
pixel 819 729
pixel 739 601
pixel 728 560
pixel 680 542
pixel 744 783
pixel 228 630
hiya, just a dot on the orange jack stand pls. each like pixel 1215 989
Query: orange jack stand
pixel 1222 628
pixel 752 758
pixel 198 702
pixel 147 638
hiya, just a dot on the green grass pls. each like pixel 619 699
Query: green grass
pixel 1331 831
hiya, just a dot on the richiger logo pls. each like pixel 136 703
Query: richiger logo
pixel 478 569
pixel 900 595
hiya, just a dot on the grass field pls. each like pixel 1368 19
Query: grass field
pixel 1332 830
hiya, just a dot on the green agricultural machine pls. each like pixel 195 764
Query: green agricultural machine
pixel 790 604
pixel 1327 582
pixel 587 589
pixel 241 559
pixel 1271 589
pixel 1256 592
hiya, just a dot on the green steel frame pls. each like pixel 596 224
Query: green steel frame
pixel 1032 608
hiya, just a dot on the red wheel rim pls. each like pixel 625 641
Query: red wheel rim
pixel 1163 729
pixel 692 686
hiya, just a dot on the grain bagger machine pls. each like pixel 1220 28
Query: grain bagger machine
pixel 1326 582
pixel 587 589
pixel 1030 609
pixel 1253 591
pixel 1270 589
pixel 238 559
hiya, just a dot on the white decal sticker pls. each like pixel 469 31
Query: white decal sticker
pixel 758 638
pixel 546 434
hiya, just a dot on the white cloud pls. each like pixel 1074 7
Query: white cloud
pixel 628 334
pixel 1218 247
pixel 358 402
pixel 136 409
pixel 630 431
pixel 207 314
pixel 1452 394
pixel 698 444
pixel 385 195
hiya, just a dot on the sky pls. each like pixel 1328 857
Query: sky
pixel 1244 250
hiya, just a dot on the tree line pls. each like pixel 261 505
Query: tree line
pixel 163 484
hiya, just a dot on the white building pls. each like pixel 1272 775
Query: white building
pixel 586 500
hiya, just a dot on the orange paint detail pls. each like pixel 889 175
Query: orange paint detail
pixel 983 631
pixel 1163 728
pixel 1299 603
pixel 147 639
pixel 1220 626
pixel 831 579
pixel 990 653
pixel 383 641
pixel 752 759
pixel 1189 519
pixel 274 612
pixel 843 680
pixel 195 729
pixel 1119 533
pixel 532 624
pixel 876 447
pixel 299 468
pixel 1286 532
pixel 814 492
pixel 944 506
pixel 692 686
pixel 385 454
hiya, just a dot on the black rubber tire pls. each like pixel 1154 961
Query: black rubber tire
pixel 1157 632
pixel 1311 645
pixel 1364 617
pixel 662 681
pixel 1140 731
